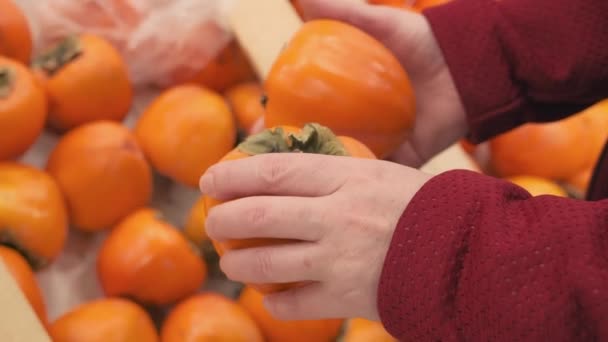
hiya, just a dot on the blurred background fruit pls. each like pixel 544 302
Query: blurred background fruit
pixel 363 330
pixel 537 186
pixel 15 35
pixel 245 100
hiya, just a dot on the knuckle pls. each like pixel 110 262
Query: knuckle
pixel 257 216
pixel 264 264
pixel 272 170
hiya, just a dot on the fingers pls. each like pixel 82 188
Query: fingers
pixel 285 174
pixel 285 263
pixel 295 218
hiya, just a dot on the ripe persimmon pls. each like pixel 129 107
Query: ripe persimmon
pixel 421 5
pixel 313 138
pixel 363 330
pixel 86 79
pixel 537 186
pixel 578 185
pixel 274 330
pixel 33 214
pixel 185 130
pixel 149 260
pixel 15 35
pixel 105 320
pixel 23 108
pixel 246 102
pixel 25 278
pixel 341 77
pixel 102 172
pixel 209 317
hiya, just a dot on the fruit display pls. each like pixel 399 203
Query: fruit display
pixel 102 225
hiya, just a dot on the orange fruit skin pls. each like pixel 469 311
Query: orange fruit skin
pixel 194 229
pixel 274 330
pixel 185 130
pixel 102 172
pixel 149 260
pixel 105 320
pixel 537 186
pixel 24 276
pixel 363 330
pixel 555 150
pixel 338 76
pixel 23 111
pixel 355 149
pixel 33 212
pixel 94 86
pixel 245 102
pixel 209 317
pixel 15 35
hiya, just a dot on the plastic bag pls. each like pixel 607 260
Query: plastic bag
pixel 163 41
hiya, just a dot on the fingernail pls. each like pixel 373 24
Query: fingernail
pixel 207 184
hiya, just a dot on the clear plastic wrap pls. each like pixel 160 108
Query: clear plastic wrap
pixel 161 40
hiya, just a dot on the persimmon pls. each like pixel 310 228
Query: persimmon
pixel 194 229
pixel 392 3
pixel 537 186
pixel 421 5
pixel 363 330
pixel 33 214
pixel 578 185
pixel 185 130
pixel 229 68
pixel 86 79
pixel 23 274
pixel 296 5
pixel 105 320
pixel 312 138
pixel 339 76
pixel 149 260
pixel 23 108
pixel 102 172
pixel 246 101
pixel 274 330
pixel 554 150
pixel 209 317
pixel 15 34
pixel 596 119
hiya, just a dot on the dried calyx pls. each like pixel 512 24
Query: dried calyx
pixel 59 55
pixel 314 138
pixel 7 81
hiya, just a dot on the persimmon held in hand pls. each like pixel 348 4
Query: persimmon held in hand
pixel 24 276
pixel 86 80
pixel 274 330
pixel 209 317
pixel 149 260
pixel 33 214
pixel 537 186
pixel 23 108
pixel 363 330
pixel 105 320
pixel 245 100
pixel 15 35
pixel 102 172
pixel 313 138
pixel 339 76
pixel 185 130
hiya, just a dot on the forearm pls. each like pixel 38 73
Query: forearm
pixel 476 258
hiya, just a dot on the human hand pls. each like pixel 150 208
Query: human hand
pixel 343 210
pixel 440 119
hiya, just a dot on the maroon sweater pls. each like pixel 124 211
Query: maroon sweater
pixel 474 258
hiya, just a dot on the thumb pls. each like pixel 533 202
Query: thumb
pixel 378 21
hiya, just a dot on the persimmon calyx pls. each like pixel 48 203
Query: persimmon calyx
pixel 58 55
pixel 314 138
pixel 7 81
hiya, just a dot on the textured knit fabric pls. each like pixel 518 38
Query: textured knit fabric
pixel 474 258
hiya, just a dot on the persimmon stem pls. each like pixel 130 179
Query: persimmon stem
pixel 58 55
pixel 7 80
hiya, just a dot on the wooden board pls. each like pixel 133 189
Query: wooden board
pixel 263 27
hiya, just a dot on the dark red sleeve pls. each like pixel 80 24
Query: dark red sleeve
pixel 474 258
pixel 516 61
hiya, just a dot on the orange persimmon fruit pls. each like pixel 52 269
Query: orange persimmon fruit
pixel 147 259
pixel 185 130
pixel 86 79
pixel 23 108
pixel 102 172
pixel 246 101
pixel 23 274
pixel 105 320
pixel 15 34
pixel 363 330
pixel 209 317
pixel 312 138
pixel 537 186
pixel 339 76
pixel 33 213
pixel 274 330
